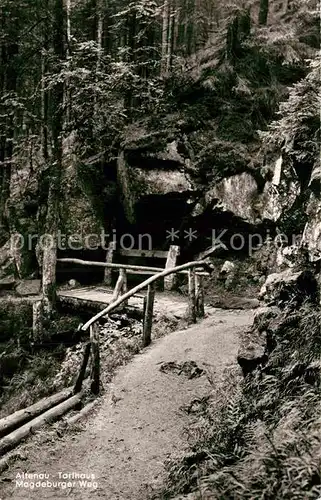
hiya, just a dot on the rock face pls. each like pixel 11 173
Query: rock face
pixel 287 285
pixel 143 172
pixel 137 183
pixel 280 193
pixel 312 233
pixel 6 260
pixel 286 256
pixel 11 256
pixel 78 211
pixel 236 194
pixel 315 181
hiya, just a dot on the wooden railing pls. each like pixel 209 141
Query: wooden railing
pixel 195 272
pixel 19 425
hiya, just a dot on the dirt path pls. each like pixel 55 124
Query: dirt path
pixel 125 443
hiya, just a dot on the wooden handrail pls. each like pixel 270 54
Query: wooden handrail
pixel 111 265
pixel 141 286
pixel 118 266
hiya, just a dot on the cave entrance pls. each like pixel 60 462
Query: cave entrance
pixel 85 275
pixel 156 215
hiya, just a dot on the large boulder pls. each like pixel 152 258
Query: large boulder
pixel 144 172
pixel 280 288
pixel 263 317
pixel 252 352
pixel 237 195
pixel 28 287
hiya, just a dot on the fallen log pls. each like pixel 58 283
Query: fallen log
pixel 15 420
pixel 74 419
pixel 8 442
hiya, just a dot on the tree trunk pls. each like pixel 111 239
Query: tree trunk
pixel 264 12
pixel 171 36
pixel 9 52
pixel 165 33
pixel 49 243
pixel 44 92
pixel 190 38
pixel 100 25
pixel 131 41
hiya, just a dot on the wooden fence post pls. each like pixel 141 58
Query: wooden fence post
pixel 199 292
pixel 148 314
pixel 95 372
pixel 191 295
pixel 119 286
pixel 82 371
pixel 173 253
pixel 125 285
pixel 109 260
pixel 37 319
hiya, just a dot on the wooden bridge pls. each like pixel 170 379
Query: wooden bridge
pixel 98 297
pixel 19 425
pixel 194 271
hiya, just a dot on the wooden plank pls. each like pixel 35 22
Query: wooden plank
pixel 191 296
pixel 173 253
pixel 148 314
pixel 109 260
pixel 156 254
pixel 82 371
pixel 95 373
pixel 91 306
